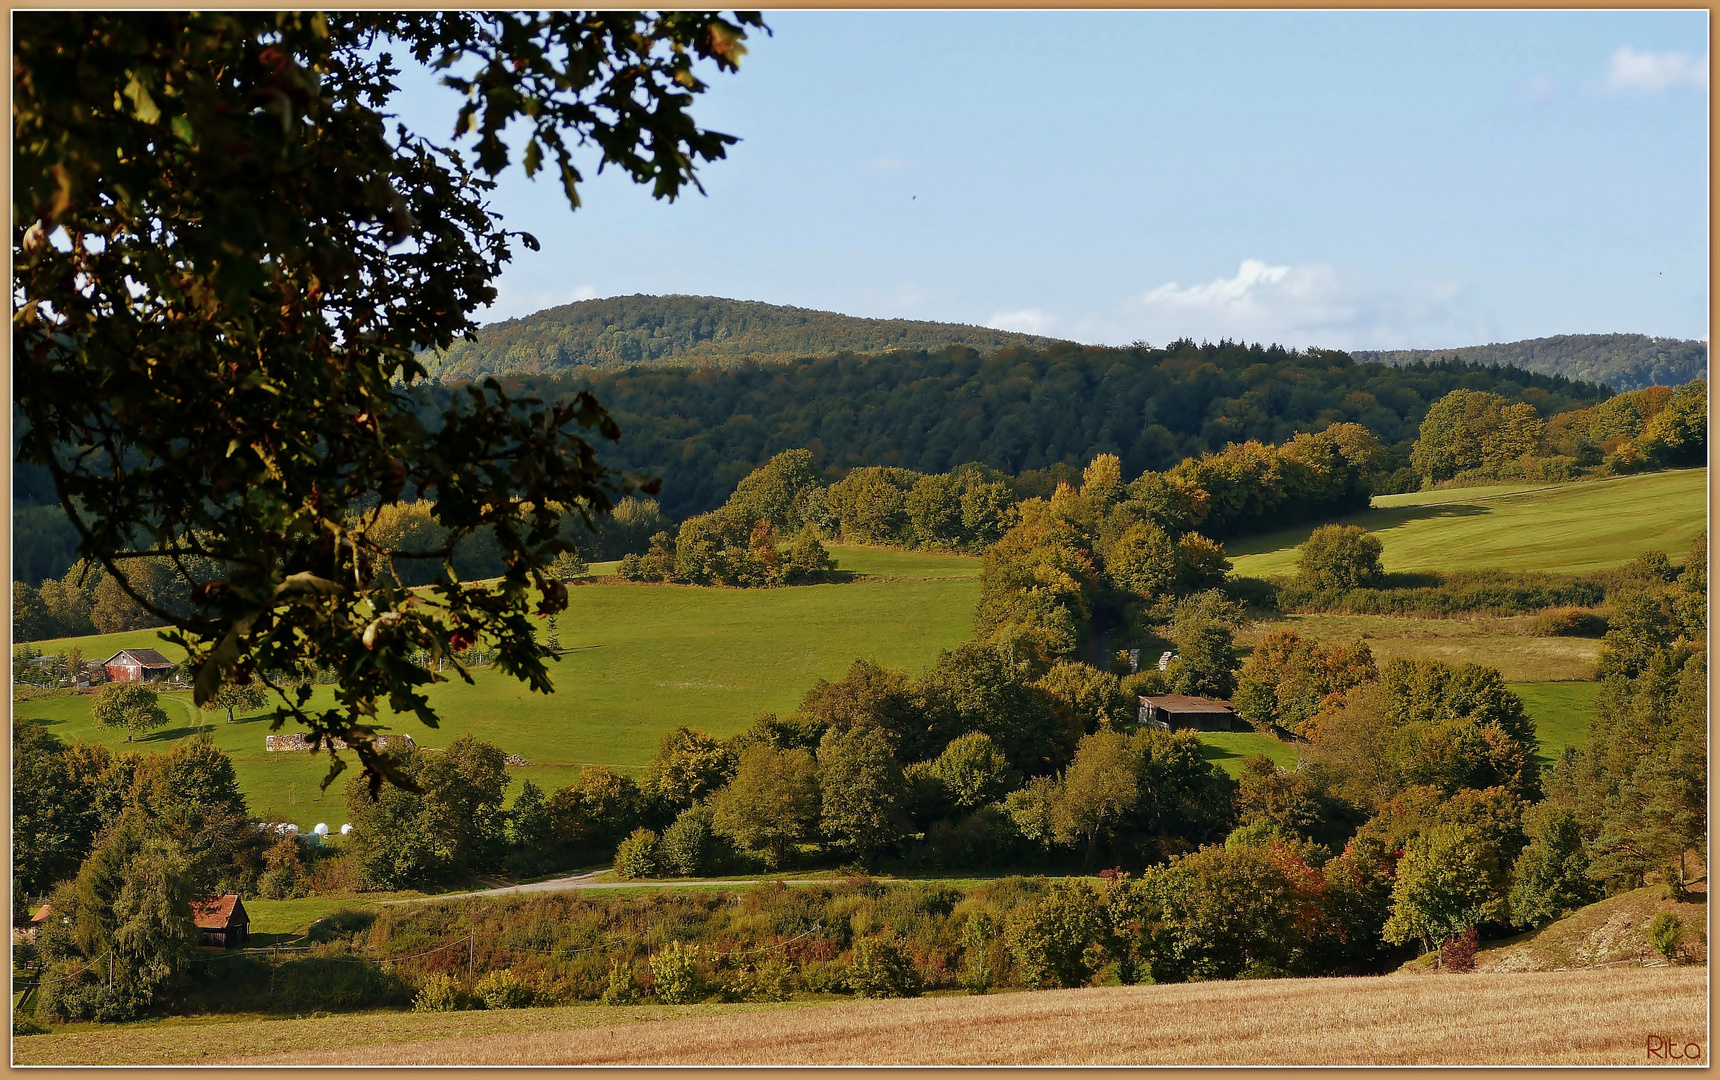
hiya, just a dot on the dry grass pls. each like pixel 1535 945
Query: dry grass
pixel 1612 931
pixel 1497 642
pixel 1577 1017
pixel 201 1040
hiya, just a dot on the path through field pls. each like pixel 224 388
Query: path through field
pixel 591 879
pixel 1567 1018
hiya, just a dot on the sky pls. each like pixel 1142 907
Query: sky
pixel 1350 180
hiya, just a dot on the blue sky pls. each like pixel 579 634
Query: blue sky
pixel 1344 179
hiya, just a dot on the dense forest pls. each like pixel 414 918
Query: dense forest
pixel 1037 415
pixel 621 331
pixel 1016 410
pixel 1622 361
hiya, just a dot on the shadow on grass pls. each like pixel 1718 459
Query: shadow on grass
pixel 1372 520
pixel 172 734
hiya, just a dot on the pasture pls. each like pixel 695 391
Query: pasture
pixel 638 660
pixel 1560 528
pixel 1549 1018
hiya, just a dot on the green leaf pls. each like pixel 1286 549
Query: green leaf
pixel 182 128
pixel 142 105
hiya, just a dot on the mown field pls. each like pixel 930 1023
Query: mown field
pixel 1564 528
pixel 638 660
pixel 1553 1018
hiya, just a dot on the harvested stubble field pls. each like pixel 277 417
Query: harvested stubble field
pixel 1567 1018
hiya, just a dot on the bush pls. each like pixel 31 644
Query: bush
pixel 342 925
pixel 676 979
pixel 439 993
pixel 1457 953
pixel 685 849
pixel 883 969
pixel 1569 622
pixel 772 980
pixel 500 989
pixel 25 1024
pixel 1055 939
pixel 1666 934
pixel 637 855
pixel 1340 557
pixel 620 989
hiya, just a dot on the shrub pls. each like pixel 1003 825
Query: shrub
pixel 1054 940
pixel 676 979
pixel 501 989
pixel 1340 557
pixel 771 980
pixel 569 565
pixel 342 925
pixel 621 989
pixel 1568 622
pixel 637 855
pixel 883 969
pixel 685 848
pixel 439 993
pixel 25 1024
pixel 1666 934
pixel 977 935
pixel 1457 953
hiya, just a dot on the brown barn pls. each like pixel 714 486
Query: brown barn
pixel 1170 712
pixel 221 921
pixel 130 665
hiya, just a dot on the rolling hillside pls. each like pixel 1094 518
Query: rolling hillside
pixel 1562 528
pixel 1622 361
pixel 621 331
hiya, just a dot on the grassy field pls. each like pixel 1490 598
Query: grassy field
pixel 1497 642
pixel 1226 749
pixel 1568 528
pixel 638 660
pixel 1561 711
pixel 1565 1018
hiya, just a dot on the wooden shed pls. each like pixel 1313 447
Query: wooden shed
pixel 221 921
pixel 1171 712
pixel 130 665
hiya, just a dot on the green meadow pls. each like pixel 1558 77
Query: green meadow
pixel 637 661
pixel 1562 528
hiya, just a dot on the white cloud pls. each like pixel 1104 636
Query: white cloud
pixel 1633 70
pixel 1295 305
pixel 1025 321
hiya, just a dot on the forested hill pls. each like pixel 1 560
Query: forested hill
pixel 693 330
pixel 702 430
pixel 1622 361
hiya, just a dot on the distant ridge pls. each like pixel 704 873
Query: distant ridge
pixel 621 331
pixel 1621 361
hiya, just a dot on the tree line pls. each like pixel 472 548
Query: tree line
pixel 1623 361
pixel 1474 436
pixel 1015 410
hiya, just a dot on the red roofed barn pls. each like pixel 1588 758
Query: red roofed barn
pixel 129 665
pixel 221 921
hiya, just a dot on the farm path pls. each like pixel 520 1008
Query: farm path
pixel 590 880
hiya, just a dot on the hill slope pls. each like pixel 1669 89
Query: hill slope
pixel 1563 528
pixel 1622 361
pixel 1015 409
pixel 621 331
